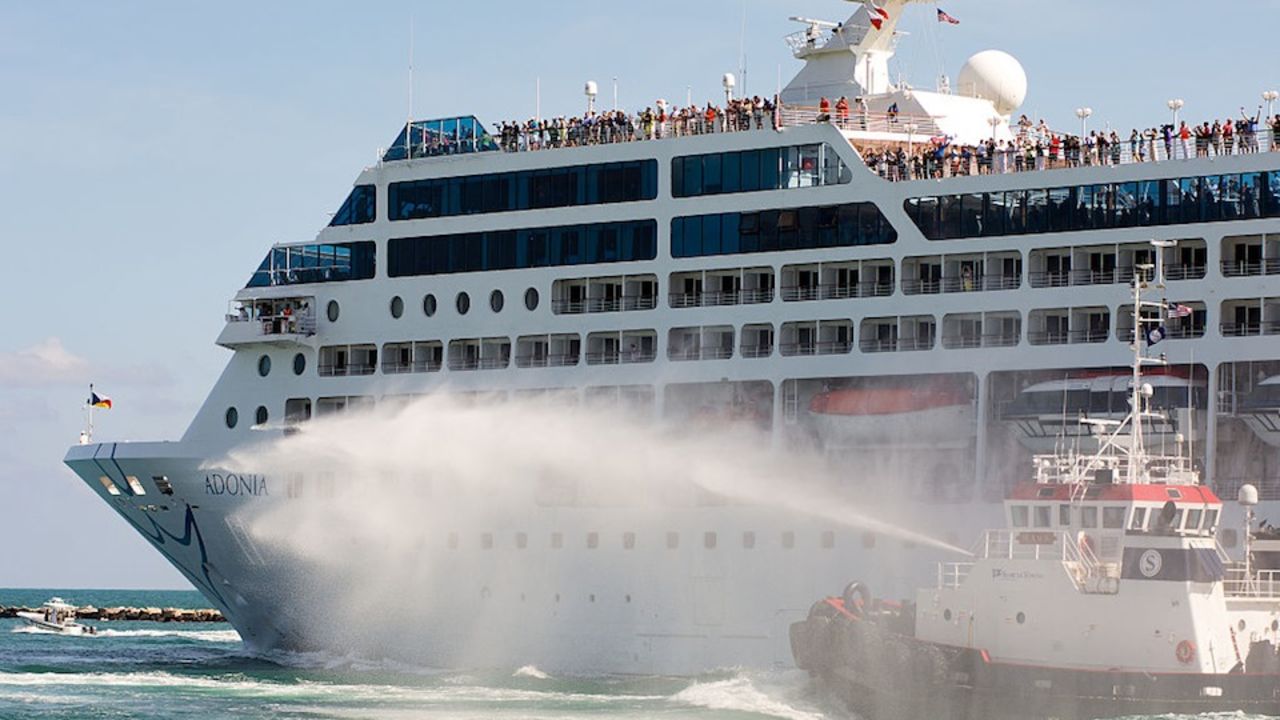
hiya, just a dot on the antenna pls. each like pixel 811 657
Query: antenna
pixel 742 49
pixel 408 123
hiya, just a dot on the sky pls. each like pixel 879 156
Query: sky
pixel 151 152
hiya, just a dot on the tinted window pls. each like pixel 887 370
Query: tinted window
pixel 358 208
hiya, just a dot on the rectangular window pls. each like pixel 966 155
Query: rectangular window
pixel 673 540
pixel 1210 519
pixel 788 540
pixel 522 540
pixel 1064 515
pixel 748 540
pixel 1193 518
pixel 557 540
pixel 505 192
pixel 1113 518
pixel 593 540
pixel 1042 515
pixel 1020 516
pixel 628 541
pixel 1139 521
pixel 709 540
pixel 1088 517
pixel 803 228
pixel 506 249
pixel 359 207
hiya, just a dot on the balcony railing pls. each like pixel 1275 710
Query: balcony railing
pixel 912 286
pixel 1241 329
pixel 716 299
pixel 1092 335
pixel 542 360
pixel 1184 272
pixel 1001 339
pixel 347 370
pixel 1233 268
pixel 1049 279
pixel 961 342
pixel 1260 584
pixel 1047 337
pixel 756 351
pixel 600 305
pixel 878 345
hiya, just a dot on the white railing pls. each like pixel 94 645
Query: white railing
pixel 919 127
pixel 951 575
pixel 1260 584
pixel 1088 573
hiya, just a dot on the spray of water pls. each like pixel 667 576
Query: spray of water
pixel 374 493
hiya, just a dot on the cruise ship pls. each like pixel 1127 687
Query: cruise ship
pixel 921 326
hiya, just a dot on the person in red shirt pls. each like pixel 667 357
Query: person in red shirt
pixel 824 110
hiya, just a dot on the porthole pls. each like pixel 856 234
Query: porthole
pixel 463 303
pixel 332 310
pixel 531 298
pixel 232 417
pixel 260 416
pixel 1021 618
pixel 429 305
pixel 946 614
pixel 496 301
pixel 299 364
pixel 1240 625
pixel 264 365
pixel 397 307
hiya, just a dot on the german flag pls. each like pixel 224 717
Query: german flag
pixel 99 401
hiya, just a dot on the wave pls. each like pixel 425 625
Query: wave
pixel 301 690
pixel 213 636
pixel 740 694
pixel 530 671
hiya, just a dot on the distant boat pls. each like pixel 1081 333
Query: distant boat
pixel 58 616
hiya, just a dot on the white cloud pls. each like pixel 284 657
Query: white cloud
pixel 45 363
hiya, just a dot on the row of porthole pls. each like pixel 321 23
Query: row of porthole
pixel 1021 617
pixel 299 365
pixel 260 416
pixel 462 303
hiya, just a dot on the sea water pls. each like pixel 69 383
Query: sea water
pixel 200 670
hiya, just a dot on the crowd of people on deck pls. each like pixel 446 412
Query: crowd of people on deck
pixel 654 122
pixel 1035 146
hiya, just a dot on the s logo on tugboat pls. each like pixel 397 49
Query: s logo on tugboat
pixel 1150 562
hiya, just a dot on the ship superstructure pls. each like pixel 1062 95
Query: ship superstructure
pixel 902 329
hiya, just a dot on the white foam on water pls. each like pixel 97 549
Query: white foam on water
pixel 213 636
pixel 530 671
pixel 740 694
pixel 304 690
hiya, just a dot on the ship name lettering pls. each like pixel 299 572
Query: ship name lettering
pixel 235 484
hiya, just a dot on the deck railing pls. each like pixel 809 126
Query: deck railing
pixel 1260 584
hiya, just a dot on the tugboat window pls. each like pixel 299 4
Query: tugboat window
pixel 1113 518
pixel 1089 517
pixel 1193 519
pixel 1043 515
pixel 1210 519
pixel 232 417
pixel 1139 519
pixel 1020 515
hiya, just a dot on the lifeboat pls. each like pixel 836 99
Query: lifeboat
pixel 933 415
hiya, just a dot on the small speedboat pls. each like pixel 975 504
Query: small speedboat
pixel 57 616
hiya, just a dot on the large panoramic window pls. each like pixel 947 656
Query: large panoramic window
pixel 359 207
pixel 526 190
pixel 528 248
pixel 805 228
pixel 299 264
pixel 1141 203
pixel 779 168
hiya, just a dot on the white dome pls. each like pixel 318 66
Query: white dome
pixel 996 76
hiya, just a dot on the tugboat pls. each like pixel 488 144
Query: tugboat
pixel 57 616
pixel 1106 594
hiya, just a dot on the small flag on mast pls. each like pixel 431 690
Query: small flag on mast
pixel 99 401
pixel 877 15
pixel 1174 310
pixel 1155 335
pixel 944 17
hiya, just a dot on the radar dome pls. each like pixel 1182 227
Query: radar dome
pixel 996 76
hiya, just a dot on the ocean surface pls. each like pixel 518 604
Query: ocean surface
pixel 201 671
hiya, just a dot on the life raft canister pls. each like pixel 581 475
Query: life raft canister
pixel 1185 652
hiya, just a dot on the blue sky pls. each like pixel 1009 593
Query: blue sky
pixel 150 152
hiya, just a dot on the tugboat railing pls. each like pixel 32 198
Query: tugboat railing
pixel 1088 573
pixel 1260 584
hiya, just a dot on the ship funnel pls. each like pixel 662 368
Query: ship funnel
pixel 1248 495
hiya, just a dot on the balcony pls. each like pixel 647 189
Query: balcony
pixel 274 322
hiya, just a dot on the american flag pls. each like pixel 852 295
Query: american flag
pixel 944 17
pixel 1178 311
